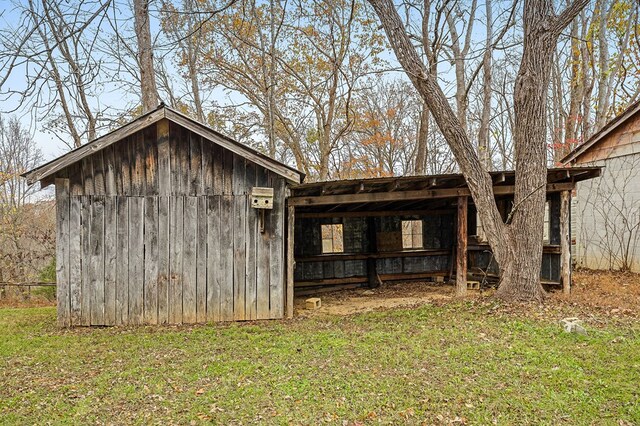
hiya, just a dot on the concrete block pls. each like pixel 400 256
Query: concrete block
pixel 312 303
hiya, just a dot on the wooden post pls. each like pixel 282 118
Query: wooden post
pixel 290 259
pixel 461 255
pixel 565 241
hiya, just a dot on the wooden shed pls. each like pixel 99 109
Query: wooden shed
pixel 155 226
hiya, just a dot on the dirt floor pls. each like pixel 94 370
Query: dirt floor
pixel 593 292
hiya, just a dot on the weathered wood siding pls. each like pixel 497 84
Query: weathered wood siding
pixel 312 265
pixel 157 229
pixel 391 261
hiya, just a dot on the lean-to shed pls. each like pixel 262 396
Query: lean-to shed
pixel 155 225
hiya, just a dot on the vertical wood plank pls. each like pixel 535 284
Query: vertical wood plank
pixel 263 256
pixel 277 274
pixel 565 241
pixel 461 252
pixel 201 255
pixel 217 161
pixel 226 257
pixel 97 162
pixel 138 164
pixel 110 250
pixel 151 260
pixel 176 221
pixel 87 175
pixel 163 259
pixel 189 261
pixel 150 161
pixel 183 155
pixel 136 260
pixel 291 217
pixel 75 179
pixel 122 260
pixel 164 166
pixel 124 153
pixel 96 261
pixel 174 159
pixel 227 172
pixel 85 229
pixel 75 259
pixel 195 164
pixel 207 166
pixel 214 271
pixel 110 170
pixel 62 252
pixel 251 240
pixel 239 264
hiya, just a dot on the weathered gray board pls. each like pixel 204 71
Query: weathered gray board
pixel 439 238
pixel 157 229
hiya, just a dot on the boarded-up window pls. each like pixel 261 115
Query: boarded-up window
pixel 412 234
pixel 332 241
pixel 547 224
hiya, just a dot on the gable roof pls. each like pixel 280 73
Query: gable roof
pixel 162 112
pixel 600 134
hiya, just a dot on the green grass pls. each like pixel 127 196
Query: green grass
pixel 431 364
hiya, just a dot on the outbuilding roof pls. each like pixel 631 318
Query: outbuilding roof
pixel 600 134
pixel 46 170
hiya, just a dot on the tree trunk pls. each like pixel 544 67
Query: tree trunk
pixel 148 88
pixel 516 245
pixel 423 134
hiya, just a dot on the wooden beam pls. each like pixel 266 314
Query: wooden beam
pixel 461 254
pixel 374 197
pixel 375 213
pixel 290 258
pixel 565 241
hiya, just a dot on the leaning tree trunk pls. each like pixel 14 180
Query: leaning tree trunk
pixel 517 244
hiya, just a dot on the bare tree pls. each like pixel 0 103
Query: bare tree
pixel 53 45
pixel 516 245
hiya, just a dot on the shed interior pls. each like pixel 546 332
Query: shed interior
pixel 353 233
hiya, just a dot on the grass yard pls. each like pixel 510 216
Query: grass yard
pixel 471 362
